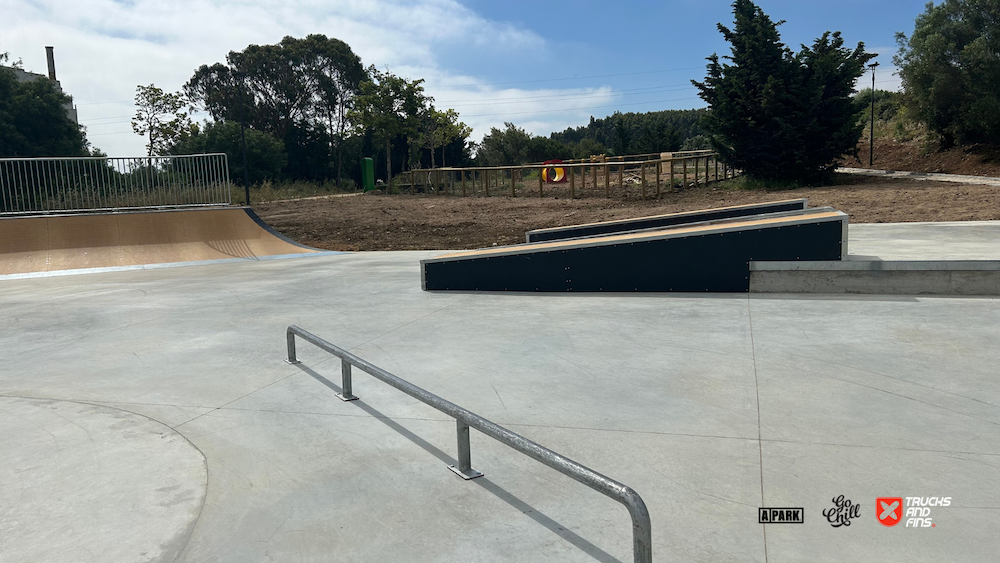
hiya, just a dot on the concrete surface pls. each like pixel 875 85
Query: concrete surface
pixel 936 176
pixel 83 482
pixel 954 240
pixel 709 406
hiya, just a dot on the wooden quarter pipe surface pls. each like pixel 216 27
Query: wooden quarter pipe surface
pixel 99 240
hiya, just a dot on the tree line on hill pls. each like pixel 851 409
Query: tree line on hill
pixel 616 135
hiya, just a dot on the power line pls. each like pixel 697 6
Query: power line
pixel 104 122
pixel 108 123
pixel 577 109
pixel 583 77
pixel 575 95
pixel 100 103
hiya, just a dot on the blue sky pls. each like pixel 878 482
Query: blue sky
pixel 543 65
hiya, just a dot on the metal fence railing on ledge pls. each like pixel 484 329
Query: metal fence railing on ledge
pixel 70 184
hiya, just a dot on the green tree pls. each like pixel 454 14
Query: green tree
pixel 266 156
pixel 776 114
pixel 950 68
pixel 504 147
pixel 161 117
pixel 388 107
pixel 449 128
pixel 299 90
pixel 333 75
pixel 33 120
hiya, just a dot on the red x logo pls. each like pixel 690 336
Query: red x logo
pixel 889 510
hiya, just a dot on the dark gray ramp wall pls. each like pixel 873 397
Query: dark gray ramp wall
pixel 673 219
pixel 714 261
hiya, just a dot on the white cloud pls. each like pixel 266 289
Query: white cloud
pixel 105 48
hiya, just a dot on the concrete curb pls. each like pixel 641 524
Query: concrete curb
pixel 904 277
pixel 937 177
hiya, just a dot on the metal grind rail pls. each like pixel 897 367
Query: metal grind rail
pixel 465 419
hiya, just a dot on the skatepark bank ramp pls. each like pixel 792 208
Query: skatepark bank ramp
pixel 699 256
pixel 59 243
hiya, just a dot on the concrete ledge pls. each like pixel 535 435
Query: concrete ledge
pixel 905 277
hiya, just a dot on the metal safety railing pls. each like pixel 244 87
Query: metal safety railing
pixel 465 419
pixel 59 185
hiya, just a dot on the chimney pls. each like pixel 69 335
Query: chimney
pixel 52 63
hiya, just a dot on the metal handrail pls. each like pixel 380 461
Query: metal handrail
pixel 642 548
pixel 79 184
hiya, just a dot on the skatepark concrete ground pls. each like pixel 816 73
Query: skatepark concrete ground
pixel 148 416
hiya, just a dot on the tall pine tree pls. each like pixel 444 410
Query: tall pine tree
pixel 775 114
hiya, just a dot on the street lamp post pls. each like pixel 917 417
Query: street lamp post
pixel 871 140
pixel 243 140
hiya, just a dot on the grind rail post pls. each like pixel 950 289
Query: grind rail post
pixel 642 549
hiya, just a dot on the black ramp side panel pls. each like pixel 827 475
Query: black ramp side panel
pixel 592 229
pixel 701 262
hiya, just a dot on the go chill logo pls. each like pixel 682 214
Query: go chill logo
pixel 890 510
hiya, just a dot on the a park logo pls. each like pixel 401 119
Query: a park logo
pixel 889 510
pixel 780 515
pixel 842 511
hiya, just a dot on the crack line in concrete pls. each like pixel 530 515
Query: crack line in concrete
pixel 760 446
pixel 914 383
pixel 241 397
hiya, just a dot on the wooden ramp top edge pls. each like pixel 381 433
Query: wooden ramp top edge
pixel 666 233
pixel 751 206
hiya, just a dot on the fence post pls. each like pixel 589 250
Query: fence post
pixel 512 182
pixel 642 173
pixel 684 162
pixel 621 176
pixel 607 180
pixel 572 182
pixel 659 168
pixel 540 181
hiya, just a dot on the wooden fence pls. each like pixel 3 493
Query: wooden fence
pixel 595 176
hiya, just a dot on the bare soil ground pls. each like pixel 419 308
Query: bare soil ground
pixel 422 222
pixel 973 160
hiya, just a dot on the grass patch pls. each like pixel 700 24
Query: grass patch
pixel 753 184
pixel 267 190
